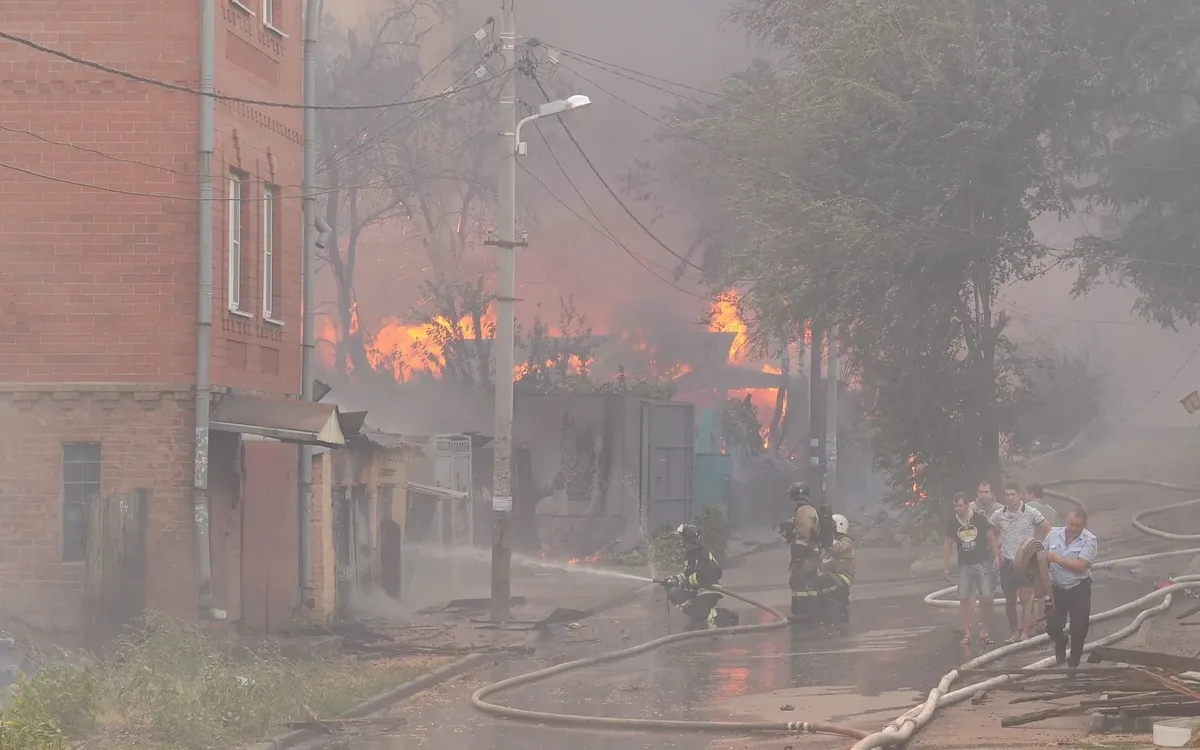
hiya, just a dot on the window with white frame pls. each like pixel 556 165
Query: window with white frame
pixel 269 12
pixel 237 184
pixel 270 193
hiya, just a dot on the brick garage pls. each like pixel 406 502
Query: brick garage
pixel 98 223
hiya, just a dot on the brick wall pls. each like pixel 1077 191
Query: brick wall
pixel 99 282
pixel 98 222
pixel 143 443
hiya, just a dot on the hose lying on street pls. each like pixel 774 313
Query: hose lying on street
pixel 479 698
pixel 902 729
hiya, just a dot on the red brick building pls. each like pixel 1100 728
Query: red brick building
pixel 99 222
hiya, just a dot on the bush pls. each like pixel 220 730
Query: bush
pixel 173 687
pixel 663 550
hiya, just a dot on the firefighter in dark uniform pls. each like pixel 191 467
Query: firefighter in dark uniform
pixel 837 573
pixel 700 570
pixel 805 546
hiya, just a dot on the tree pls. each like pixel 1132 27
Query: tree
pixel 885 178
pixel 418 169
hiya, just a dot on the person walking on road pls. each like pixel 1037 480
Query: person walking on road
pixel 1014 523
pixel 1070 550
pixel 1033 497
pixel 971 534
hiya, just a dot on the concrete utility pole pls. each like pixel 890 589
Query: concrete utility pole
pixel 831 416
pixel 506 243
pixel 312 23
pixel 816 421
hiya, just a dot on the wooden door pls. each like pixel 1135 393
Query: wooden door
pixel 270 536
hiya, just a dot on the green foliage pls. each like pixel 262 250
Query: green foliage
pixel 714 531
pixel 740 426
pixel 173 687
pixel 1061 396
pixel 664 549
pixel 886 176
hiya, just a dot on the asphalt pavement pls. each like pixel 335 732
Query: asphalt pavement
pixel 895 650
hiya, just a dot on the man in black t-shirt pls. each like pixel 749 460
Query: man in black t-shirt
pixel 970 533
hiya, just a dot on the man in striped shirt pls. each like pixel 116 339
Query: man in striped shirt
pixel 1013 523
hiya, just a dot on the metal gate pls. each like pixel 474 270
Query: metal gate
pixel 452 471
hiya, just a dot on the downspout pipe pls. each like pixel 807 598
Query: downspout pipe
pixel 312 24
pixel 204 264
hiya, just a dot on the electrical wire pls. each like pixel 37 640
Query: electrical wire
pixel 410 118
pixel 224 97
pixel 640 260
pixel 596 62
pixel 613 193
pixel 383 112
pixel 326 191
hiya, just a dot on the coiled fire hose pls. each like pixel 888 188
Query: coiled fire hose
pixel 903 728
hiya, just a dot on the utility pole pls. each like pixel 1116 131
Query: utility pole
pixel 506 243
pixel 831 412
pixel 816 413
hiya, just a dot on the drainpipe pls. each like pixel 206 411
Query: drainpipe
pixel 312 23
pixel 204 262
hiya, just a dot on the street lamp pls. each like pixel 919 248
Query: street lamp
pixel 506 242
pixel 549 109
pixel 1191 402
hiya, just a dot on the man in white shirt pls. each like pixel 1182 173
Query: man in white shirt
pixel 1013 524
pixel 1070 550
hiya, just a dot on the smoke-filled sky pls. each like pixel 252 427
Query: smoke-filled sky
pixel 687 41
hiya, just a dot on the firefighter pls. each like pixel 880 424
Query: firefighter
pixel 700 570
pixel 837 573
pixel 806 554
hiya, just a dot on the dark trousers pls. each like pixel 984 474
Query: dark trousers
pixel 1074 604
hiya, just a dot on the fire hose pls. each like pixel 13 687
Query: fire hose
pixel 903 728
pixel 480 702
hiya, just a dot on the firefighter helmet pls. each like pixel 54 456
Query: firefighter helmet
pixel 689 533
pixel 841 524
pixel 799 492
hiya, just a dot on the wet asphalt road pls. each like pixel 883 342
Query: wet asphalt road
pixel 896 649
pixel 894 644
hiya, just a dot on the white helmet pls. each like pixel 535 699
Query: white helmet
pixel 840 524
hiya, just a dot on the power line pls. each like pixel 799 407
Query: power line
pixel 411 118
pixel 119 191
pixel 596 62
pixel 224 97
pixel 613 193
pixel 379 115
pixel 636 258
pixel 1170 380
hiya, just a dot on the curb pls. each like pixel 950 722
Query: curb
pixel 381 701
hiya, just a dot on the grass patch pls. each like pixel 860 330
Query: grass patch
pixel 173 687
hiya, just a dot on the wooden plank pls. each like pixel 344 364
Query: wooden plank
pixel 115 574
pixel 1168 662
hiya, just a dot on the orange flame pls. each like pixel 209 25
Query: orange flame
pixel 725 317
pixel 403 349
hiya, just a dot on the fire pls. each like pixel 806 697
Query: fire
pixel 573 561
pixel 403 349
pixel 725 317
pixel 919 495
